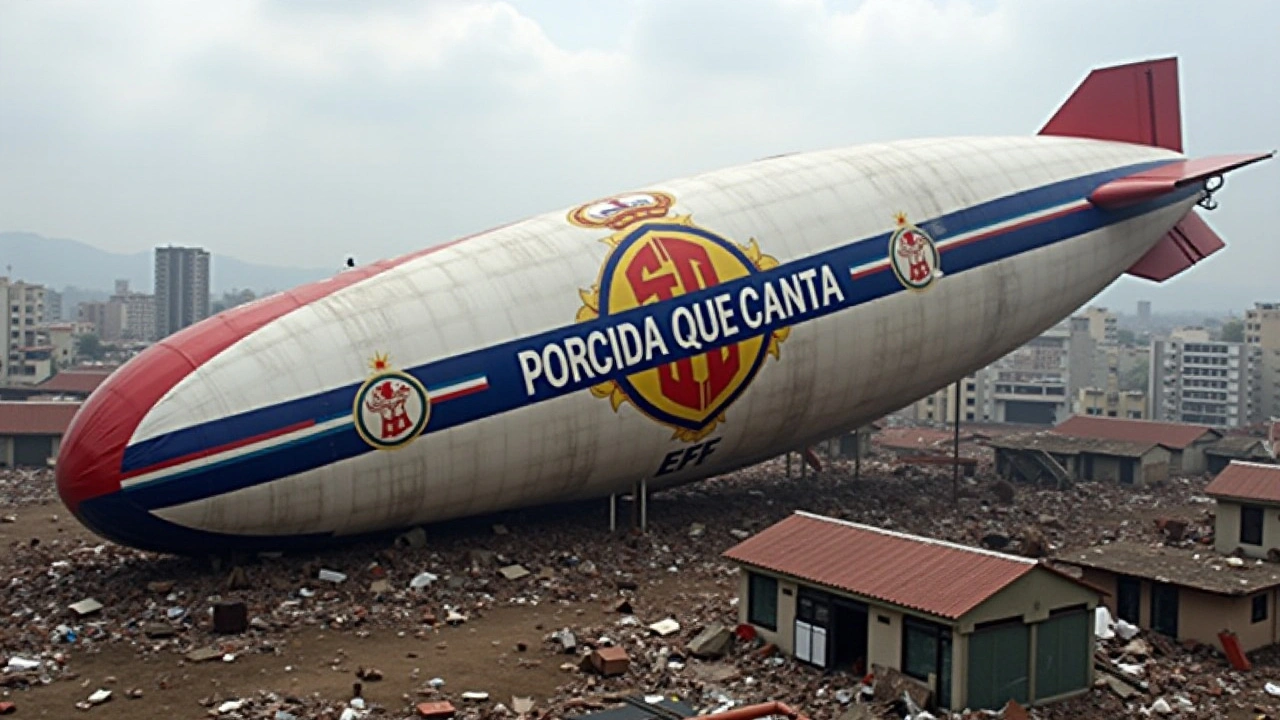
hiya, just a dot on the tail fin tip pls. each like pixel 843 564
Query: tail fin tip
pixel 1135 103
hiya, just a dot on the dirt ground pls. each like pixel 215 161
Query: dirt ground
pixel 310 646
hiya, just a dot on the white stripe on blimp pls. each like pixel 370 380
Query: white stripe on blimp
pixel 440 394
pixel 237 452
pixel 942 244
pixel 445 392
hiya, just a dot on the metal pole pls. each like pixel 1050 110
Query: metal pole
pixel 857 453
pixel 613 512
pixel 955 467
pixel 644 505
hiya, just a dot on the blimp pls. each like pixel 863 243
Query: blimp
pixel 655 337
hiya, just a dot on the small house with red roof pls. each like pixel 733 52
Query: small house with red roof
pixel 31 432
pixel 976 627
pixel 1248 513
pixel 1186 443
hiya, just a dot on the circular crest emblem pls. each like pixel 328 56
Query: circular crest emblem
pixel 391 409
pixel 914 256
pixel 657 261
pixel 619 212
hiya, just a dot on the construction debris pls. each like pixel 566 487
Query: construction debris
pixel 657 612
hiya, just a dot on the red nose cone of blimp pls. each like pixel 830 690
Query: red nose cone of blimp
pixel 92 453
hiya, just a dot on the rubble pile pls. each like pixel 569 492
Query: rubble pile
pixel 652 613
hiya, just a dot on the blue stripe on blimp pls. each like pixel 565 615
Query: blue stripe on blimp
pixel 507 386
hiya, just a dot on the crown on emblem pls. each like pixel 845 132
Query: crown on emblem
pixel 621 211
pixel 901 217
pixel 380 362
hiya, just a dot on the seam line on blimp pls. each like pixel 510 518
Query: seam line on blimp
pixel 1011 239
pixel 323 426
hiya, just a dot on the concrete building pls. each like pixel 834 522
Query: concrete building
pixel 1131 404
pixel 107 318
pixel 30 432
pixel 1144 314
pixel 139 312
pixel 52 306
pixel 1221 454
pixel 977 628
pixel 182 288
pixel 975 394
pixel 1203 382
pixel 1186 443
pixel 1059 460
pixel 23 313
pixel 1262 332
pixel 1247 520
pixel 1102 325
pixel 1038 383
pixel 1184 594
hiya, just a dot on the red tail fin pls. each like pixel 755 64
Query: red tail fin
pixel 1136 103
pixel 1189 242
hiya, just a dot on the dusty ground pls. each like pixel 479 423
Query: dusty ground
pixel 308 648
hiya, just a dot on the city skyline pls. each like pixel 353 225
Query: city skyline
pixel 300 153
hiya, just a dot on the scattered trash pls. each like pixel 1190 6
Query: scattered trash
pixel 665 627
pixel 514 572
pixel 87 606
pixel 332 576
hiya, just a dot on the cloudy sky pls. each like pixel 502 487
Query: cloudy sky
pixel 296 132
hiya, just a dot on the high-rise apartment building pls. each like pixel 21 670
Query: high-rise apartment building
pixel 1197 381
pixel 1144 313
pixel 23 313
pixel 1262 332
pixel 52 306
pixel 182 288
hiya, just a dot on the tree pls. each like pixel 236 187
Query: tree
pixel 89 346
pixel 1135 378
pixel 232 298
pixel 1233 331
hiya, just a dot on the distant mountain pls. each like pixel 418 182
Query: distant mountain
pixel 58 263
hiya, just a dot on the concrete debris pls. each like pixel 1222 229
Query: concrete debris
pixel 634 627
pixel 713 642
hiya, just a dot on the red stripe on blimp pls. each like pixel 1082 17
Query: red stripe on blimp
pixel 92 451
pixel 220 449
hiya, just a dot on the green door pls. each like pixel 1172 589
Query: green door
pixel 998 665
pixel 1063 654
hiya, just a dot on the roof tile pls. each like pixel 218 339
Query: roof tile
pixel 36 418
pixel 1247 481
pixel 1172 435
pixel 932 576
pixel 81 382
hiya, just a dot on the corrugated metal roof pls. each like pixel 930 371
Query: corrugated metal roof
pixel 81 382
pixel 932 576
pixel 1068 445
pixel 1247 481
pixel 36 418
pixel 1171 435
pixel 1239 446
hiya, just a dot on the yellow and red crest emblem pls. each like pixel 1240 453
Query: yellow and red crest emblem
pixel 655 258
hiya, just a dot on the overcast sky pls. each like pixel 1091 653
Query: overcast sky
pixel 296 132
